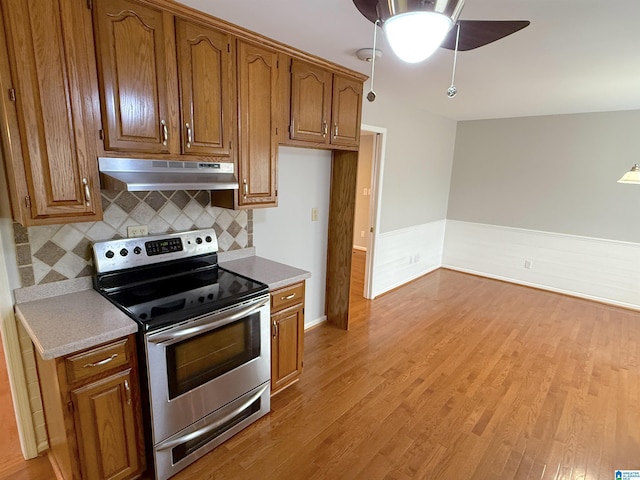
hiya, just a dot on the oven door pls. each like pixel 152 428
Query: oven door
pixel 201 365
pixel 188 445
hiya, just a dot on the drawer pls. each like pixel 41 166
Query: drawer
pixel 285 297
pixel 97 360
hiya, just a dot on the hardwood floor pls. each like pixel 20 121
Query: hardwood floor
pixel 453 377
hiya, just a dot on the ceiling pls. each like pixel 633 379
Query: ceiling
pixel 576 56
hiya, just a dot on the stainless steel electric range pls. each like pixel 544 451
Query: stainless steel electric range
pixel 204 340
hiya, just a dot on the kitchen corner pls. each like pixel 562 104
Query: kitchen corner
pixel 93 358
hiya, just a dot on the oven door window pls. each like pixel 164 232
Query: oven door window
pixel 198 360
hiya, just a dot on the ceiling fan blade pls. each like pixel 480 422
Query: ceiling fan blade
pixel 367 8
pixel 476 33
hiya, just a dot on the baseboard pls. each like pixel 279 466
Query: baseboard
pixel 315 323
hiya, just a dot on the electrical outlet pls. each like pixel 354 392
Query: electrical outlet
pixel 314 214
pixel 528 264
pixel 137 231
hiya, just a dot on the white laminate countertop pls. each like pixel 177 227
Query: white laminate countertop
pixel 69 323
pixel 70 316
pixel 274 274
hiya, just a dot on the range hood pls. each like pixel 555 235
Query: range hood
pixel 144 175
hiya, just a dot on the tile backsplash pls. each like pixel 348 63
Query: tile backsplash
pixel 53 253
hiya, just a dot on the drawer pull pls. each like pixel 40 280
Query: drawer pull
pixel 101 362
pixel 288 297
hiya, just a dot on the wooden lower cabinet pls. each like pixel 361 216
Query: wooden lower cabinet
pixel 287 336
pixel 93 413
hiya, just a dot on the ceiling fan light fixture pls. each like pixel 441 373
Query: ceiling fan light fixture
pixel 632 176
pixel 414 36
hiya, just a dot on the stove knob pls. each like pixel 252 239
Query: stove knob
pixel 137 250
pixel 208 239
pixel 124 252
pixel 210 296
pixel 198 240
pixel 109 254
pixel 201 299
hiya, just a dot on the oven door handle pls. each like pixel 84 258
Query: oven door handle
pixel 210 322
pixel 234 411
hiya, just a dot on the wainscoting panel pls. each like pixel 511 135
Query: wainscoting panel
pixel 406 254
pixel 598 269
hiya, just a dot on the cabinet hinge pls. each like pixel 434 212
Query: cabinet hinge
pixel 276 193
pixel 70 407
pixel 228 48
pixel 27 201
pixel 90 4
pixel 12 94
pixel 276 130
pixel 101 134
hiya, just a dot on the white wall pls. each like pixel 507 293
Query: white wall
pixel 535 201
pixel 418 161
pixel 415 191
pixel 286 234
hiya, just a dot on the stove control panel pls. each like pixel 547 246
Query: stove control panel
pixel 119 254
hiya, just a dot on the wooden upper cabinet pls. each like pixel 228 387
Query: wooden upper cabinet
pixel 258 148
pixel 346 111
pixel 205 70
pixel 136 63
pixel 46 113
pixel 310 102
pixel 325 106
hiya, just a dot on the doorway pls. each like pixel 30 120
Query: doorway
pixel 367 210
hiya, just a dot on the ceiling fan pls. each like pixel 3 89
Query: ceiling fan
pixel 433 21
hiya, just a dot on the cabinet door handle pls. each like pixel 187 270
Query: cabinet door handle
pixel 288 297
pixel 127 390
pixel 87 192
pixel 165 132
pixel 275 329
pixel 246 188
pixel 335 129
pixel 325 129
pixel 189 136
pixel 101 362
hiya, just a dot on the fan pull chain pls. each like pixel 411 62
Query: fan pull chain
pixel 371 96
pixel 452 90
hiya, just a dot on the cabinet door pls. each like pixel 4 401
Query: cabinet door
pixel 287 346
pixel 109 440
pixel 47 128
pixel 310 102
pixel 346 111
pixel 205 68
pixel 258 149
pixel 136 63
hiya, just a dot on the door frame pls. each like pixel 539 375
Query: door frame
pixel 375 204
